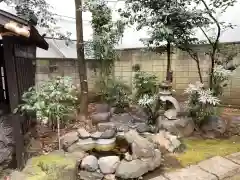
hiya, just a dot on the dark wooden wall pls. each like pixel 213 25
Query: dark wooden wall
pixel 20 74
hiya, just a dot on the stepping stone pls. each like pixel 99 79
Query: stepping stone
pixel 235 177
pixel 221 167
pixel 159 178
pixel 234 157
pixel 190 173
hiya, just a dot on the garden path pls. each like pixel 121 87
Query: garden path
pixel 216 168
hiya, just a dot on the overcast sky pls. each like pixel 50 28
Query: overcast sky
pixel 131 36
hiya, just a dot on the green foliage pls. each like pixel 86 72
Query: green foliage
pixel 146 90
pixel 167 21
pixel 114 92
pixel 151 105
pixel 224 68
pixel 201 102
pixel 145 83
pixel 106 35
pixel 136 68
pixel 220 78
pixel 53 100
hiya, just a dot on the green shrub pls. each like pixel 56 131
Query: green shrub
pixel 151 106
pixel 53 100
pixel 221 77
pixel 144 83
pixel 114 92
pixel 201 102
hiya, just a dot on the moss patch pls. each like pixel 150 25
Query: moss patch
pixel 200 149
pixel 47 166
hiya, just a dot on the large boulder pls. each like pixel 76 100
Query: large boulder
pixel 181 127
pixel 100 117
pixel 122 121
pixel 234 126
pixel 141 147
pixel 86 175
pixel 54 166
pixel 108 164
pixel 138 114
pixel 132 169
pixel 165 140
pixel 124 118
pixel 83 134
pixel 154 162
pixel 143 127
pixel 82 145
pixel 108 134
pixel 137 168
pixel 68 139
pixel 214 126
pixel 89 163
pixel 106 126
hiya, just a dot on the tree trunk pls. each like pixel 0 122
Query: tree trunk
pixel 199 71
pixel 211 72
pixel 81 60
pixel 168 75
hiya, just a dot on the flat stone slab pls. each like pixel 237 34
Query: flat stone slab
pixel 219 166
pixel 235 177
pixel 190 173
pixel 159 178
pixel 234 157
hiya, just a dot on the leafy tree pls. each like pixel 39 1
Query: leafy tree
pixel 106 35
pixel 211 9
pixel 169 22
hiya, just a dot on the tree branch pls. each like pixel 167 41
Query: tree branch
pixel 216 22
pixel 205 34
pixel 215 44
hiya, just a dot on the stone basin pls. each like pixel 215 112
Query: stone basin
pixel 105 144
pixel 86 144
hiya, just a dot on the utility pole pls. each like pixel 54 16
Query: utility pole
pixel 82 70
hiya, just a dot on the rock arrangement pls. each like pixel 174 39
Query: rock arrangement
pixel 101 155
pixel 143 156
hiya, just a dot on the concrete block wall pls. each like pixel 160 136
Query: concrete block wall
pixel 48 68
pixel 183 66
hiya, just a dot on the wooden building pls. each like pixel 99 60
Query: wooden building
pixel 18 46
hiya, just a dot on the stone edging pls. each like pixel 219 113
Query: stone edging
pixel 216 168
